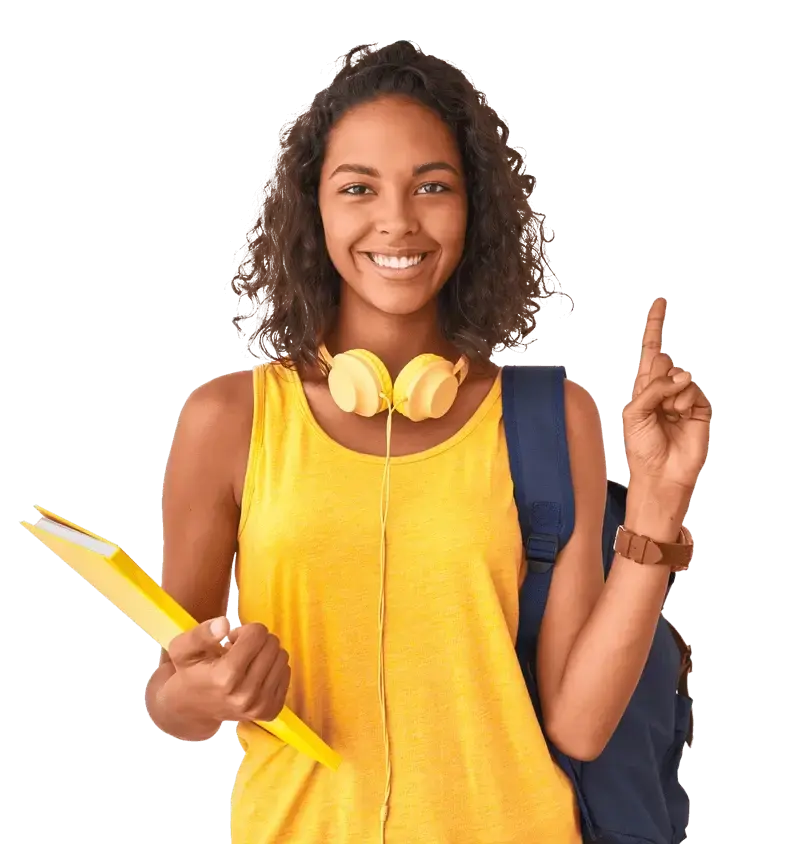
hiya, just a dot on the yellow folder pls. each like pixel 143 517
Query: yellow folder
pixel 112 572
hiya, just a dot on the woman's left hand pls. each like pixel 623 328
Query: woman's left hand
pixel 666 425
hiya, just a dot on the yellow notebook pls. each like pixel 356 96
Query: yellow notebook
pixel 111 571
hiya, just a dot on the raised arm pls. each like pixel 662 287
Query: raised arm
pixel 596 637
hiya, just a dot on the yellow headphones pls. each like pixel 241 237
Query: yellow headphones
pixel 425 388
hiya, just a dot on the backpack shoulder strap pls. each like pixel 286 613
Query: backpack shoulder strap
pixel 536 437
pixel 536 434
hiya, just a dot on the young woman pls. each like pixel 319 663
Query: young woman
pixel 398 224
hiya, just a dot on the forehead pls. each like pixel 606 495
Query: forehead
pixel 390 129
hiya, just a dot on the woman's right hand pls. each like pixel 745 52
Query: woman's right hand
pixel 245 680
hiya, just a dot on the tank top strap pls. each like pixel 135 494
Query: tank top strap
pixel 273 399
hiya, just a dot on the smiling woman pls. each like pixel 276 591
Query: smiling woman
pixel 395 252
pixel 396 239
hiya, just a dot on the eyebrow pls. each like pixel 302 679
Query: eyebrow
pixel 371 171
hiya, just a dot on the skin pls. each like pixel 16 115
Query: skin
pixel 666 429
pixel 589 634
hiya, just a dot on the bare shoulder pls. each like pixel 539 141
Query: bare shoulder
pixel 584 440
pixel 222 394
pixel 579 402
pixel 221 411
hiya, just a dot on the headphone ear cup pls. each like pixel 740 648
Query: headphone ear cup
pixel 426 388
pixel 356 381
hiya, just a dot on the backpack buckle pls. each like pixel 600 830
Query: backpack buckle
pixel 540 551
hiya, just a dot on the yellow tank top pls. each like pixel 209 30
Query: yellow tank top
pixel 469 762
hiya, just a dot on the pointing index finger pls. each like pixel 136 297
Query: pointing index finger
pixel 653 334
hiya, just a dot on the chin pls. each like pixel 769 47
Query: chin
pixel 401 304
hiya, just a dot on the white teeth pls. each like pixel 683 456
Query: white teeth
pixel 395 263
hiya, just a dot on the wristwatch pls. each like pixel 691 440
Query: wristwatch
pixel 642 549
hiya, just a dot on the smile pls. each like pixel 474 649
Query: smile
pixel 396 263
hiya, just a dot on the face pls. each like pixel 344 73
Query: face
pixel 377 200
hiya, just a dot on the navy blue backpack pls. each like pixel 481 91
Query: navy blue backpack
pixel 630 794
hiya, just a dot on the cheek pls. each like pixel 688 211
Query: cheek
pixel 447 225
pixel 342 229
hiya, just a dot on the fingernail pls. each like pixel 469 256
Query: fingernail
pixel 681 377
pixel 217 627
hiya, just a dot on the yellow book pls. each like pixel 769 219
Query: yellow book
pixel 111 571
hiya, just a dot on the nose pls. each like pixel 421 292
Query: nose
pixel 394 214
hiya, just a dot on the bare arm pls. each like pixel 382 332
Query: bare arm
pixel 201 520
pixel 578 575
pixel 595 639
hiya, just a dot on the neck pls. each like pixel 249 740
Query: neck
pixel 395 339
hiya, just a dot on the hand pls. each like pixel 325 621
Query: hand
pixel 245 680
pixel 666 425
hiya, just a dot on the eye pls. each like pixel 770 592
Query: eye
pixel 350 188
pixel 433 187
pixel 355 190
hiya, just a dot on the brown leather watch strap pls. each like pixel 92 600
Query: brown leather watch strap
pixel 646 551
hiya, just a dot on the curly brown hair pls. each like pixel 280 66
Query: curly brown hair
pixel 490 300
